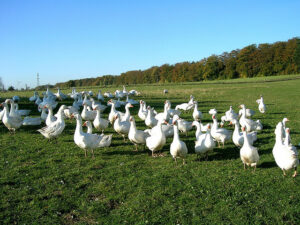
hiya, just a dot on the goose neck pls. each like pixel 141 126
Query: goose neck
pixel 176 133
pixel 246 140
pixel 78 129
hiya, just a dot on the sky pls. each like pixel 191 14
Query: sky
pixel 72 39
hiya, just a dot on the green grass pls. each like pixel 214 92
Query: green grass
pixel 54 183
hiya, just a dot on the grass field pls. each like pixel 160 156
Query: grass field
pixel 48 183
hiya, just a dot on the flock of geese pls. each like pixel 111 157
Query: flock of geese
pixel 163 125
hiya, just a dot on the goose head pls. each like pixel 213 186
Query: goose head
pixel 287 130
pixel 285 120
pixel 96 108
pixel 131 119
pixel 128 105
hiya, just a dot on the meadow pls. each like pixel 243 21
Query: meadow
pixel 45 182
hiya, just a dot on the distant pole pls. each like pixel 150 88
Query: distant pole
pixel 37 80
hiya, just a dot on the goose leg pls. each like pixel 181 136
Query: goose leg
pixel 254 168
pixel 183 163
pixel 85 152
pixel 136 149
pixel 93 156
pixel 284 174
pixel 295 172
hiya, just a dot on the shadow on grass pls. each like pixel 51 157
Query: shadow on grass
pixel 126 152
pixel 268 165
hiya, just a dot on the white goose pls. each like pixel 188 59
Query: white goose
pixel 212 112
pixel 248 153
pixel 50 118
pixel 127 112
pixel 150 119
pixel 261 104
pixel 249 112
pixel 137 137
pixel 56 127
pixel 134 92
pixel 131 101
pixel 164 115
pixel 205 143
pixel 183 125
pixel 197 114
pixel 44 114
pixel 108 95
pixel 157 140
pixel 13 112
pixel 285 155
pixel 69 111
pixel 142 112
pixel 186 106
pixel 60 95
pixel 245 122
pixel 76 104
pixel 21 112
pixel 121 127
pixel 167 129
pixel 34 97
pixel 11 122
pixel 38 101
pixel 85 140
pixel 100 97
pixel 86 101
pixel 32 121
pixel 238 137
pixel 198 134
pixel 171 111
pixel 99 105
pixel 178 148
pixel 221 135
pixel 100 123
pixel 89 126
pixel 106 139
pixel 113 112
pixel 86 114
pixel 230 115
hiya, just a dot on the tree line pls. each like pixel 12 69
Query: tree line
pixel 254 60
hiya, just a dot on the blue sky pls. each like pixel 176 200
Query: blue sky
pixel 64 39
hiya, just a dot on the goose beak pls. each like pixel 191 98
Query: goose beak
pixel 84 125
